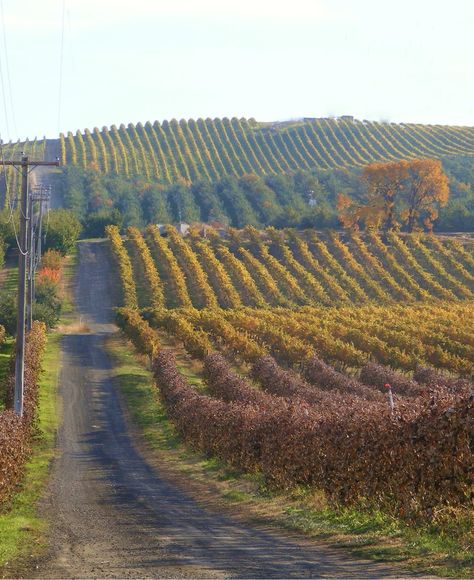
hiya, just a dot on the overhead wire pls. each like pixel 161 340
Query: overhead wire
pixel 47 224
pixel 4 97
pixel 61 61
pixel 11 218
pixel 7 66
pixel 8 193
pixel 5 108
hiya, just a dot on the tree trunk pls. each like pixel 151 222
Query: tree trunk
pixel 388 224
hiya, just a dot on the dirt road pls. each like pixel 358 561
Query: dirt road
pixel 49 175
pixel 112 515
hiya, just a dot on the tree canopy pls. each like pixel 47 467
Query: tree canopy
pixel 398 194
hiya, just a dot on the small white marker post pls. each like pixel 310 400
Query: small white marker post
pixel 388 386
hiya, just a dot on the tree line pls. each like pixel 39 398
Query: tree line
pixel 377 194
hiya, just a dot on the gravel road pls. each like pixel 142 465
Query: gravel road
pixel 112 515
pixel 49 175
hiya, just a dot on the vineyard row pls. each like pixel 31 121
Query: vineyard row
pixel 289 269
pixel 208 149
pixel 320 427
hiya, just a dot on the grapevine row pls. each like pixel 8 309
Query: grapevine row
pixel 210 149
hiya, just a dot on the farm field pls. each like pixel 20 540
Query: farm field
pixel 236 290
pixel 211 149
pixel 305 341
pixel 127 512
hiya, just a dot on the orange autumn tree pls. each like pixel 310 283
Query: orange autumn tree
pixel 427 191
pixel 384 183
pixel 397 193
pixel 352 214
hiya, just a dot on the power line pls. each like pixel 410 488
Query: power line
pixel 4 98
pixel 25 235
pixel 7 66
pixel 11 218
pixel 47 223
pixel 61 61
pixel 5 178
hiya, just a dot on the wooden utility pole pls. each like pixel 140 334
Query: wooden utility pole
pixel 21 299
pixel 41 194
pixel 25 251
pixel 30 257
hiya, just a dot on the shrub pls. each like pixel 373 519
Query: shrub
pixel 8 312
pixel 122 259
pixel 227 385
pixel 435 380
pixel 96 222
pixel 379 375
pixel 52 259
pixel 48 274
pixel 410 462
pixel 16 432
pixel 48 304
pixel 138 331
pixel 47 314
pixel 317 372
pixel 63 230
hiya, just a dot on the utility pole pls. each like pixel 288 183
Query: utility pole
pixel 26 166
pixel 21 299
pixel 29 269
pixel 40 193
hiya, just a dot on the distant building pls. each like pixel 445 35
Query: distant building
pixel 348 118
pixel 181 227
pixel 214 227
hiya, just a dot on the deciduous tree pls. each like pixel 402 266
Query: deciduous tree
pixel 427 191
pixel 397 193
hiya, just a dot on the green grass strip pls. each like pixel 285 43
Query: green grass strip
pixel 5 356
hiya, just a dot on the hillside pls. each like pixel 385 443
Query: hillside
pixel 160 172
pixel 210 149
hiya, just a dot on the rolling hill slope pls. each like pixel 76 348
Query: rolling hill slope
pixel 210 149
pixel 161 172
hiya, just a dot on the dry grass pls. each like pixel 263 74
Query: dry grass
pixel 76 327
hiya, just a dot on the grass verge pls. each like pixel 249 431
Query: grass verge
pixel 6 349
pixel 11 281
pixel 22 531
pixel 366 533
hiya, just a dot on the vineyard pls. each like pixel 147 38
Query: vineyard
pixel 286 268
pixel 300 336
pixel 238 172
pixel 35 149
pixel 236 290
pixel 210 149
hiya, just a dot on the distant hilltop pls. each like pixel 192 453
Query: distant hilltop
pixel 210 149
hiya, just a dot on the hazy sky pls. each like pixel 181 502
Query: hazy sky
pixel 138 60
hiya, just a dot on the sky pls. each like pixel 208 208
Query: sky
pixel 127 61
